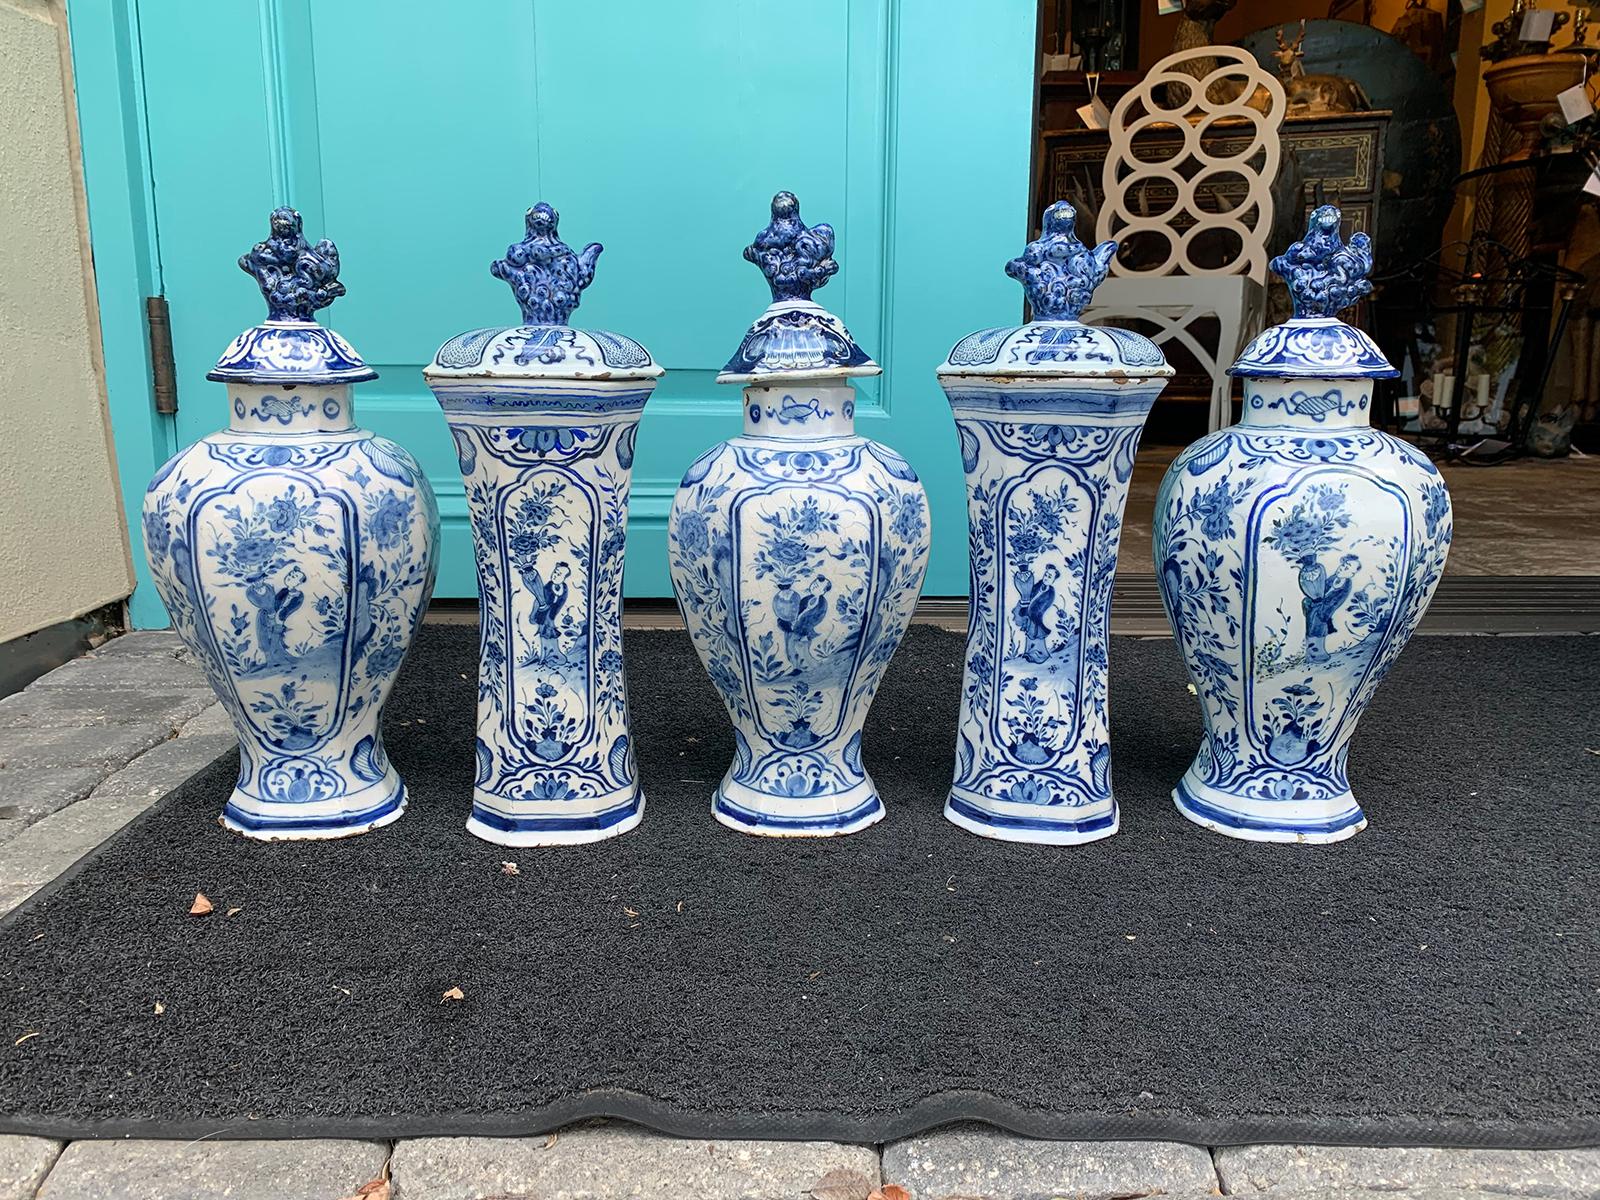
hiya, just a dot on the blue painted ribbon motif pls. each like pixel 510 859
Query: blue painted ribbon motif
pixel 1059 272
pixel 295 277
pixel 796 259
pixel 546 275
pixel 1325 276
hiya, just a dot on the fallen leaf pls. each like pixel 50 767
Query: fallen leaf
pixel 841 1183
pixel 510 868
pixel 551 1140
pixel 160 1008
pixel 890 1191
pixel 235 909
pixel 201 905
pixel 25 1037
pixel 374 1189
pixel 454 993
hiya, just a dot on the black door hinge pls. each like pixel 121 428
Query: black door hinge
pixel 163 369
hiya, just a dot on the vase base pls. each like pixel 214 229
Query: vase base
pixel 492 823
pixel 1008 827
pixel 278 822
pixel 1253 820
pixel 749 811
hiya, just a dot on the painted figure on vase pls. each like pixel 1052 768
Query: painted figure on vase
pixel 295 553
pixel 797 553
pixel 1048 415
pixel 1296 552
pixel 544 418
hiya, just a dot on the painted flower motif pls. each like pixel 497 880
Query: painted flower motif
pixel 389 519
pixel 157 534
pixel 610 662
pixel 546 439
pixel 384 660
pixel 1438 504
pixel 788 552
pixel 253 554
pixel 694 538
pixel 1050 437
pixel 724 676
pixel 525 544
pixel 1214 507
pixel 810 518
pixel 285 514
pixel 907 524
pixel 1311 527
pixel 550 787
pixel 1029 791
pixel 535 510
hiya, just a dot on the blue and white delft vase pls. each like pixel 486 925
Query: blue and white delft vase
pixel 295 553
pixel 1296 552
pixel 544 418
pixel 797 553
pixel 1049 416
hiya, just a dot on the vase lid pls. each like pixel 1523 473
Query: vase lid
pixel 795 338
pixel 1059 274
pixel 1325 276
pixel 547 277
pixel 290 347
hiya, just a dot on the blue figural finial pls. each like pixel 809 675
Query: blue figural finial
pixel 1058 272
pixel 545 274
pixel 1325 276
pixel 295 277
pixel 796 260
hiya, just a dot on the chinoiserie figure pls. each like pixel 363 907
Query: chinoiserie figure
pixel 797 553
pixel 544 418
pixel 1049 416
pixel 1296 553
pixel 295 553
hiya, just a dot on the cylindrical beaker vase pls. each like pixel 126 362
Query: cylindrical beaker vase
pixel 1049 416
pixel 544 418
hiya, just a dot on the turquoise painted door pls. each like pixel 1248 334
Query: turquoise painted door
pixel 415 135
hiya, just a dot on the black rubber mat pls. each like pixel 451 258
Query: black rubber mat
pixel 1435 980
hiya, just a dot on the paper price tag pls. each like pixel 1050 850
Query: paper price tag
pixel 1537 25
pixel 1575 103
pixel 1471 6
pixel 1169 8
pixel 1592 184
pixel 1095 114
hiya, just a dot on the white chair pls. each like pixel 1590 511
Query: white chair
pixel 1172 292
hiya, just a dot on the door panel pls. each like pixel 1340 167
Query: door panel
pixel 416 142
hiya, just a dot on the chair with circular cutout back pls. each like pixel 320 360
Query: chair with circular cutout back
pixel 1181 200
